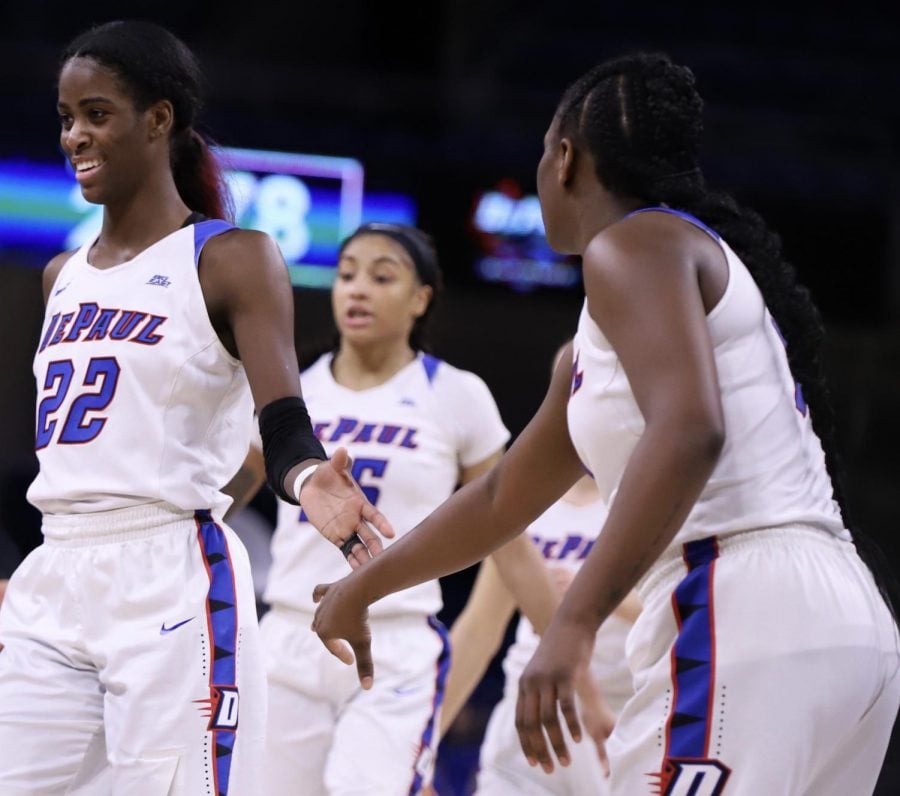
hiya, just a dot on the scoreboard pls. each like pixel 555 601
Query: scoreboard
pixel 307 203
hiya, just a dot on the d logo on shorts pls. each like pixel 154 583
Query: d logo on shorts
pixel 693 777
pixel 225 708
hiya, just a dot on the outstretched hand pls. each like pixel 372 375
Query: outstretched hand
pixel 342 619
pixel 337 507
pixel 547 687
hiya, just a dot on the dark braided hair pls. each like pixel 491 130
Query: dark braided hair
pixel 640 116
pixel 152 64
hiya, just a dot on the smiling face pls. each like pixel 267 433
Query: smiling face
pixel 377 296
pixel 106 139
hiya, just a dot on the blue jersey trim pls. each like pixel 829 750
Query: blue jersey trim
pixel 681 214
pixel 206 230
pixel 430 363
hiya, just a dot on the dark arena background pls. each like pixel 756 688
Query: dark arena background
pixel 434 113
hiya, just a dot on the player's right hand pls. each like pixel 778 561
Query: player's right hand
pixel 337 507
pixel 342 618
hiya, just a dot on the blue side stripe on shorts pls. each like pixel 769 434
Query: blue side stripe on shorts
pixel 693 656
pixel 221 615
pixel 443 666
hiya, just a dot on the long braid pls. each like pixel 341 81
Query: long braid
pixel 640 116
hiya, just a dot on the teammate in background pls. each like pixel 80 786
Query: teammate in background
pixel 765 658
pixel 132 661
pixel 563 535
pixel 415 428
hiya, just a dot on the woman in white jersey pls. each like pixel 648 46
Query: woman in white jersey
pixel 765 659
pixel 131 660
pixel 562 536
pixel 415 427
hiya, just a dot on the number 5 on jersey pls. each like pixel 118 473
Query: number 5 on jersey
pixel 99 385
pixel 363 467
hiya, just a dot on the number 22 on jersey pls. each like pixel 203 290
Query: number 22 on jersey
pixel 99 387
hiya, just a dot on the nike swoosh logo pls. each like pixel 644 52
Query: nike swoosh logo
pixel 163 630
pixel 406 691
pixel 57 292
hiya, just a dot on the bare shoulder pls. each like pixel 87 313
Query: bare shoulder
pixel 240 248
pixel 240 264
pixel 661 238
pixel 52 269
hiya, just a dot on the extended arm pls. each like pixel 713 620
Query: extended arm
pixel 250 301
pixel 539 467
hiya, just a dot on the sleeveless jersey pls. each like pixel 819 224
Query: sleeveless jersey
pixel 771 470
pixel 138 401
pixel 564 535
pixel 408 438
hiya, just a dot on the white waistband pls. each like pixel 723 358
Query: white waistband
pixel 117 525
pixel 670 568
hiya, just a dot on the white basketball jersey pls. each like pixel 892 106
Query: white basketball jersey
pixel 771 470
pixel 564 535
pixel 408 438
pixel 138 400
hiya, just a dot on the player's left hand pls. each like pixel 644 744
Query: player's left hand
pixel 342 618
pixel 337 507
pixel 547 686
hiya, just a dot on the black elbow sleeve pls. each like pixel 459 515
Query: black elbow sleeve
pixel 288 439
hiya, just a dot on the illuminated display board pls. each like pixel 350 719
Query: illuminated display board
pixel 513 250
pixel 307 203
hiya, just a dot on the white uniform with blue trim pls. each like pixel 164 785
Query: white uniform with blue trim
pixel 131 660
pixel 765 660
pixel 408 438
pixel 564 535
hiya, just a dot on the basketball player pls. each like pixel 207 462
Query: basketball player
pixel 132 663
pixel 415 427
pixel 563 536
pixel 765 658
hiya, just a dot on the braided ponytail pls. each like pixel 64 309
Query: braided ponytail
pixel 640 116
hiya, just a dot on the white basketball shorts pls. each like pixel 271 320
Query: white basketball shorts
pixel 764 662
pixel 132 662
pixel 325 732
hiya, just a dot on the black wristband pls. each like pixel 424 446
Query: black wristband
pixel 288 439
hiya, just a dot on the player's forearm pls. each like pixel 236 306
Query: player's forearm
pixel 482 515
pixel 463 530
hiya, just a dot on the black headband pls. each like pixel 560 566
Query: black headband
pixel 423 258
